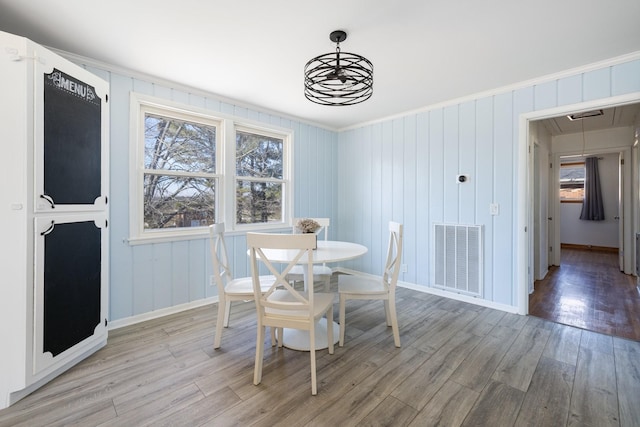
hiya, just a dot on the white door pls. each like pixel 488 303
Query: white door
pixel 541 211
pixel 544 214
pixel 619 216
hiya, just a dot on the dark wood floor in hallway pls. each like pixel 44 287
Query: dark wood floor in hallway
pixel 588 291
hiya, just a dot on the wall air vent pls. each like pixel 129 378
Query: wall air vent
pixel 456 262
pixel 585 114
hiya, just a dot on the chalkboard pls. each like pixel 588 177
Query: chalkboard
pixel 71 284
pixel 72 140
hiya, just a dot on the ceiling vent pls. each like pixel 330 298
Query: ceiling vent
pixel 585 114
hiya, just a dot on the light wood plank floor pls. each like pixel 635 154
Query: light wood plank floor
pixel 459 364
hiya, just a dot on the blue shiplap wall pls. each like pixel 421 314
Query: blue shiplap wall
pixel 149 277
pixel 405 170
pixel 401 169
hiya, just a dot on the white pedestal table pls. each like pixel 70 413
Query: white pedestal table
pixel 328 251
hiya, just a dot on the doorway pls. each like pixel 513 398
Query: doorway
pixel 614 164
pixel 573 261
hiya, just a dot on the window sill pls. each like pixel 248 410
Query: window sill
pixel 165 237
pixel 197 234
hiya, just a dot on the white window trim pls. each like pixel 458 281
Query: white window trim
pixel 569 164
pixel 225 169
pixel 286 181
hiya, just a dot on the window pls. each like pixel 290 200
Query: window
pixel 259 177
pixel 193 169
pixel 572 182
pixel 179 180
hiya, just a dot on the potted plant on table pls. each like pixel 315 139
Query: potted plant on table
pixel 308 226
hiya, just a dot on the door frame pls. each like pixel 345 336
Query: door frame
pixel 524 221
pixel 625 204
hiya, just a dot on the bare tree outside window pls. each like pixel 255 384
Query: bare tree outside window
pixel 179 173
pixel 193 168
pixel 259 178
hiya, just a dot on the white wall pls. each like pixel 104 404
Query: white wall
pixel 605 144
pixel 573 230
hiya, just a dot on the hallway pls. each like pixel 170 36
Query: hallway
pixel 588 291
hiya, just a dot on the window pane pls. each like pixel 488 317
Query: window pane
pixel 178 145
pixel 258 202
pixel 258 155
pixel 172 202
pixel 572 181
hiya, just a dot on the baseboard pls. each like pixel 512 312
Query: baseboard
pixel 439 292
pixel 588 247
pixel 127 321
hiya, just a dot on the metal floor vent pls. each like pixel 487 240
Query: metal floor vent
pixel 457 258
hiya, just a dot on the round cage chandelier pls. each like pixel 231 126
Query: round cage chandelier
pixel 339 78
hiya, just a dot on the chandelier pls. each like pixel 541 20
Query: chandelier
pixel 339 78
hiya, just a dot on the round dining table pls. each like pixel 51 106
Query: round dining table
pixel 328 251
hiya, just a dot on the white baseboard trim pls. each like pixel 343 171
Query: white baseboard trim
pixel 439 292
pixel 127 321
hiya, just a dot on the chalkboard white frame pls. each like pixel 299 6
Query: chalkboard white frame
pixel 44 71
pixel 45 361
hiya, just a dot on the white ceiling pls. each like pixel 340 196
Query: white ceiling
pixel 424 51
pixel 621 116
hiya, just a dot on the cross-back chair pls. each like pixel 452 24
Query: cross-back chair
pixel 229 288
pixel 282 306
pixel 358 287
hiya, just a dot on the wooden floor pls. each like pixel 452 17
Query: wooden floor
pixel 459 364
pixel 588 291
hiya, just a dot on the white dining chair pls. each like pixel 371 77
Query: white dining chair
pixel 282 306
pixel 229 289
pixel 321 273
pixel 365 288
